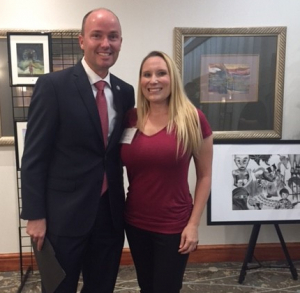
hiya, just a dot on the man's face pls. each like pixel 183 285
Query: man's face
pixel 101 41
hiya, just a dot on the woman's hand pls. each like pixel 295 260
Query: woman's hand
pixel 189 239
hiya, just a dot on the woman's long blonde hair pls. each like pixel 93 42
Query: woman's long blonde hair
pixel 183 116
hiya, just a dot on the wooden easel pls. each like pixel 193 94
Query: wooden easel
pixel 250 251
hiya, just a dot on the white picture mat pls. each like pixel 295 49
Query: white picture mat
pixel 221 192
pixel 27 39
pixel 21 131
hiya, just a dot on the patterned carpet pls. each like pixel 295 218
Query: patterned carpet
pixel 205 277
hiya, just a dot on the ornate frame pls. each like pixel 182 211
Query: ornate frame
pixel 190 44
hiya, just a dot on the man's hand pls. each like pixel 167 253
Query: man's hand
pixel 36 229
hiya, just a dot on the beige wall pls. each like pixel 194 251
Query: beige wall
pixel 148 25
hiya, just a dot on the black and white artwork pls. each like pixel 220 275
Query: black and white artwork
pixel 255 182
pixel 265 181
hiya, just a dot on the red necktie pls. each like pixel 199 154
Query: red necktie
pixel 102 109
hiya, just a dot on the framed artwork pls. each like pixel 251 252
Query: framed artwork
pixel 15 100
pixel 29 57
pixel 227 78
pixel 236 77
pixel 20 131
pixel 255 182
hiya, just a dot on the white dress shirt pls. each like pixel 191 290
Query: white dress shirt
pixel 93 78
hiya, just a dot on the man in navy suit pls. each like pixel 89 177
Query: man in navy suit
pixel 65 160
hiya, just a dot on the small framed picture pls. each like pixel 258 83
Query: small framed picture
pixel 29 57
pixel 20 131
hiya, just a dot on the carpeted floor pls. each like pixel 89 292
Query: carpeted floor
pixel 205 277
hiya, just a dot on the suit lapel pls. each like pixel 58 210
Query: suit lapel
pixel 84 87
pixel 82 83
pixel 117 96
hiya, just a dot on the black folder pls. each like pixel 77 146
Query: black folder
pixel 51 272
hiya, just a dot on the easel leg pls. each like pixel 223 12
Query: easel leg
pixel 250 251
pixel 286 253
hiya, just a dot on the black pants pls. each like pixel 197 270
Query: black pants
pixel 159 266
pixel 97 255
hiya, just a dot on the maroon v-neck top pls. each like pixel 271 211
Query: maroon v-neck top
pixel 158 197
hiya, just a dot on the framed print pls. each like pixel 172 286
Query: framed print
pixel 20 131
pixel 229 78
pixel 235 76
pixel 14 99
pixel 29 57
pixel 6 112
pixel 255 182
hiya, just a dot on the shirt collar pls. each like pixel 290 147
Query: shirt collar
pixel 92 76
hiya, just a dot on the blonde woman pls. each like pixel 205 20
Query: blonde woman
pixel 162 135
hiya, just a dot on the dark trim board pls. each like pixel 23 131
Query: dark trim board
pixel 204 254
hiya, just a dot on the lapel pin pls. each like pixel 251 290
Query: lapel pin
pixel 117 87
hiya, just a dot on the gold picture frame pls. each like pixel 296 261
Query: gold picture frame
pixel 236 77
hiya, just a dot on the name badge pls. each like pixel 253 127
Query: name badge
pixel 128 135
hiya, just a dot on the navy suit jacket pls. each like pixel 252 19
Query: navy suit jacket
pixel 64 157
